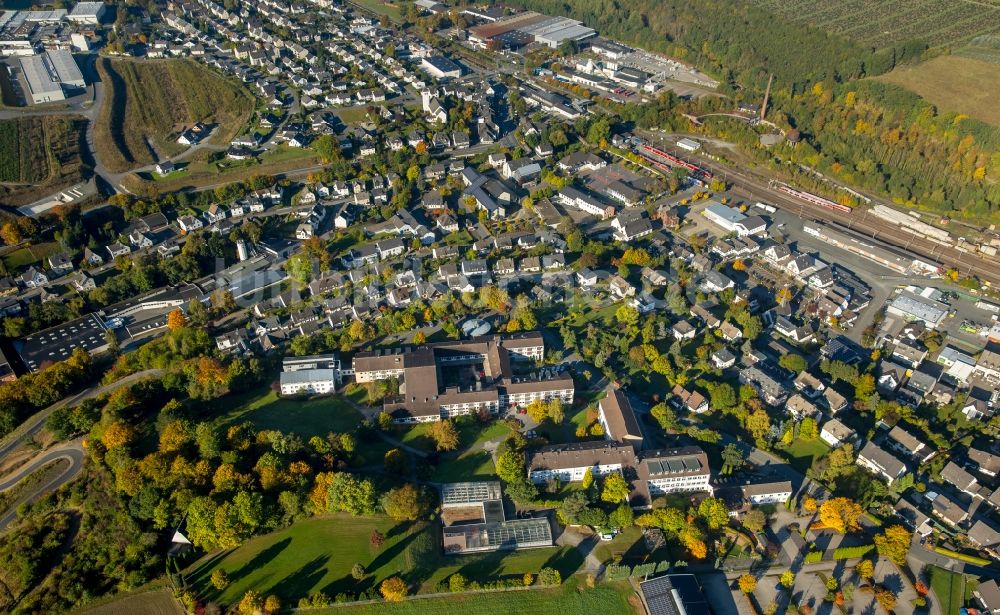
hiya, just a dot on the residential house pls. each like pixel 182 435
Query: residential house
pixel 616 415
pixel 881 463
pixel 683 330
pixel 117 250
pixel 836 433
pixel 986 463
pixel 60 264
pixel 959 478
pixel 692 401
pixel 907 444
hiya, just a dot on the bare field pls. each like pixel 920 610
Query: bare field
pixel 150 603
pixel 954 83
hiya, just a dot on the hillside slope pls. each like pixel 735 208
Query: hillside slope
pixel 148 103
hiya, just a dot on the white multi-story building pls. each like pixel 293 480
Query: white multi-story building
pixel 682 470
pixel 569 462
pixel 768 493
pixel 312 375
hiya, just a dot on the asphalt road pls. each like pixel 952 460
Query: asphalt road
pixel 72 452
pixel 35 423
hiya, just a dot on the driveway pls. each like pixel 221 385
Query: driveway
pixel 585 544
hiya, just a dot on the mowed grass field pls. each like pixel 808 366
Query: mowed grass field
pixel 159 602
pixel 317 416
pixel 880 24
pixel 148 103
pixel 954 83
pixel 317 554
pixel 380 7
pixel 607 598
pixel 802 452
pixel 949 587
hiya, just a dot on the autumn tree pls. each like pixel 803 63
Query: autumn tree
pixel 358 572
pixel 758 424
pixel 755 520
pixel 615 489
pixel 894 543
pixel 787 579
pixel 348 493
pixel 118 434
pixel 406 503
pixel 251 603
pixel 393 589
pixel 549 576
pixel 445 435
pixel 176 320
pixel 696 547
pixel 376 539
pixel 588 478
pixel 808 429
pixel 394 461
pixel 457 583
pixel 747 583
pixel 174 436
pixel 220 579
pixel 809 504
pixel 886 598
pixel 272 604
pixel 841 514
pixel 714 512
pixel 865 569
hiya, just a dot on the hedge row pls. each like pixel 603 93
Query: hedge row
pixel 852 552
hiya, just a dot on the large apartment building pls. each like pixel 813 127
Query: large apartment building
pixel 651 473
pixel 681 470
pixel 448 379
pixel 312 375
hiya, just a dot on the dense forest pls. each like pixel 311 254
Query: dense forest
pixel 738 42
pixel 886 139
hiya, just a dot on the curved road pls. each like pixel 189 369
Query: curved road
pixel 72 451
pixel 35 423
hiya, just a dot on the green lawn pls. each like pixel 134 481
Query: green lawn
pixel 471 465
pixel 801 453
pixel 621 544
pixel 352 115
pixel 316 555
pixel 565 600
pixel 471 433
pixel 309 556
pixel 566 432
pixel 380 7
pixel 949 587
pixel 30 255
pixel 317 416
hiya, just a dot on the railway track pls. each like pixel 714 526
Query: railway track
pixel 750 185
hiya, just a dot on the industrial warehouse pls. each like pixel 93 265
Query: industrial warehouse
pixel 52 76
pixel 530 27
